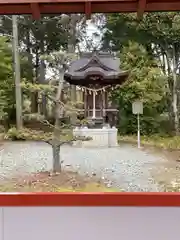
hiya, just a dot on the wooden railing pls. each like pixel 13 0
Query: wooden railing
pixel 90 199
pixel 37 7
pixel 99 112
pixel 101 216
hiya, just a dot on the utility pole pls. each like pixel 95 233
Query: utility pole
pixel 17 74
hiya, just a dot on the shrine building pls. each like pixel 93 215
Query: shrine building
pixel 96 74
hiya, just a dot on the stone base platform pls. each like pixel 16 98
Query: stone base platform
pixel 101 137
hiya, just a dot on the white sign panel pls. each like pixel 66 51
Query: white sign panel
pixel 137 107
pixel 87 223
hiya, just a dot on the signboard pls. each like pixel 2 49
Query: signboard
pixel 137 107
pixel 87 223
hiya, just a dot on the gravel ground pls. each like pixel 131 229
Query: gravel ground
pixel 126 167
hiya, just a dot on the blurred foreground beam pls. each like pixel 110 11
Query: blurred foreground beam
pixel 141 9
pixel 88 10
pixel 35 11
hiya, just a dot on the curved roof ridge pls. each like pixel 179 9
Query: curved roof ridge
pixel 97 53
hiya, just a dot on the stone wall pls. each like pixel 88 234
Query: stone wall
pixel 101 137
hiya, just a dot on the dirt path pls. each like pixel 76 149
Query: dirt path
pixel 167 173
pixel 125 167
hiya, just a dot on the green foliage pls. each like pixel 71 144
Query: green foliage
pixel 2 130
pixel 146 82
pixel 164 142
pixel 157 28
pixel 27 134
pixel 7 91
pixel 159 34
pixel 49 29
pixel 34 135
pixel 28 87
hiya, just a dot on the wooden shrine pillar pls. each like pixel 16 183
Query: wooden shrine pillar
pixel 103 104
pixel 94 105
pixel 85 103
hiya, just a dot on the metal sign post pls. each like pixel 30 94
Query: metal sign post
pixel 137 109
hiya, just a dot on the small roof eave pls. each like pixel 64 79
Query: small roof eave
pixel 83 82
pixel 110 75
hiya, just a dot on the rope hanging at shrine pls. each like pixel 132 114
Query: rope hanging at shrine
pixel 90 90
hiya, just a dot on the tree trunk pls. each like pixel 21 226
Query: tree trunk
pixel 17 73
pixel 34 108
pixel 56 132
pixel 34 97
pixel 42 73
pixel 172 85
pixel 175 95
pixel 43 105
pixel 56 158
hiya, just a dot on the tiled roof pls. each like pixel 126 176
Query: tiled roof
pixel 95 63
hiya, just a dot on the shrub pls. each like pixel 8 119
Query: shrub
pixel 27 134
pixel 34 135
pixel 2 129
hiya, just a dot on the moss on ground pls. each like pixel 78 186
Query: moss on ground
pixel 64 182
pixel 166 142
